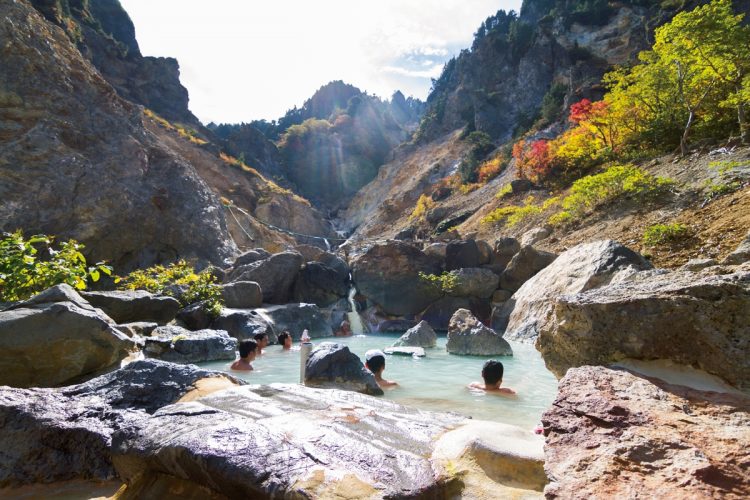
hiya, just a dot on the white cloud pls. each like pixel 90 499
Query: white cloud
pixel 246 60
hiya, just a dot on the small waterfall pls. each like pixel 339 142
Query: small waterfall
pixel 328 244
pixel 354 320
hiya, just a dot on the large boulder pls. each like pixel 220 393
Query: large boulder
pixel 693 319
pixel 581 268
pixel 535 235
pixel 474 282
pixel 504 250
pixel 251 256
pixel 466 335
pixel 388 275
pixel 612 434
pixel 244 324
pixel 275 275
pixel 439 313
pixel 61 434
pixel 129 306
pixel 312 253
pixel 421 335
pixel 523 266
pixel 55 338
pixel 332 365
pixel 320 285
pixel 242 295
pixel 459 254
pixel 178 345
pixel 296 318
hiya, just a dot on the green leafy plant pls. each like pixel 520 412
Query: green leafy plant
pixel 200 287
pixel 445 282
pixel 28 266
pixel 662 234
pixel 505 191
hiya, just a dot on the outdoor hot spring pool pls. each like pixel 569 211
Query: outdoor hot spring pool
pixel 436 382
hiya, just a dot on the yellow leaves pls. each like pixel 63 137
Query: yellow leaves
pixel 424 204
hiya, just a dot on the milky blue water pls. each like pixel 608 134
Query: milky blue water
pixel 436 382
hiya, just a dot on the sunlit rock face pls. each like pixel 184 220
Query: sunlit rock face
pixel 695 319
pixel 76 160
pixel 613 434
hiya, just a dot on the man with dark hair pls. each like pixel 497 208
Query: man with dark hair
pixel 492 373
pixel 285 339
pixel 262 340
pixel 248 351
pixel 375 362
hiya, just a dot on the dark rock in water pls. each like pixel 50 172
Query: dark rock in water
pixel 296 318
pixel 388 275
pixel 52 343
pixel 694 319
pixel 140 328
pixel 417 352
pixel 523 266
pixel 60 434
pixel 612 433
pixel 195 316
pixel 243 324
pixel 251 256
pixel 460 254
pixel 320 285
pixel 242 295
pixel 178 345
pixel 335 313
pixel 466 335
pixel 395 325
pixel 288 441
pixel 581 268
pixel 128 306
pixel 439 313
pixel 332 365
pixel 421 335
pixel 275 275
pixel 474 282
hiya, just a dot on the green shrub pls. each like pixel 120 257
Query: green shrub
pixel 661 234
pixel 157 279
pixel 445 282
pixel 30 266
pixel 513 214
pixel 504 191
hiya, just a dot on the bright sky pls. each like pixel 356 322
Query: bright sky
pixel 245 60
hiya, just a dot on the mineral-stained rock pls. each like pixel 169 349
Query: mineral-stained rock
pixel 333 365
pixel 388 275
pixel 466 335
pixel 581 268
pixel 298 317
pixel 693 319
pixel 244 324
pixel 178 345
pixel 128 306
pixel 275 275
pixel 421 335
pixel 52 343
pixel 612 434
pixel 60 434
pixel 286 441
pixel 741 253
pixel 523 266
pixel 242 295
pixel 474 282
pixel 439 313
pixel 459 254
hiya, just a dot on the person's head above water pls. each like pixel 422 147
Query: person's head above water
pixel 492 372
pixel 285 339
pixel 261 339
pixel 247 348
pixel 375 360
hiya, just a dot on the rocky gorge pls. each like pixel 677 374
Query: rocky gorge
pixel 108 389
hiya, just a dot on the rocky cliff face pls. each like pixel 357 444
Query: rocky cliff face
pixel 77 162
pixel 105 35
